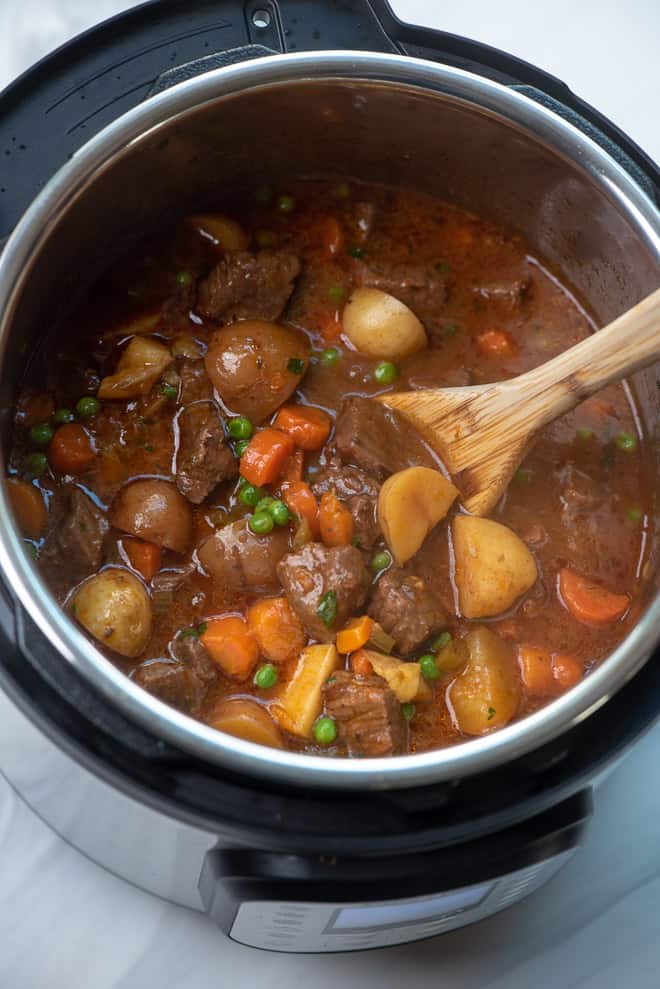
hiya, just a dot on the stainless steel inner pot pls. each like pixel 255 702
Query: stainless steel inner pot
pixel 379 117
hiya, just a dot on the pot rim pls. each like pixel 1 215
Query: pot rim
pixel 20 575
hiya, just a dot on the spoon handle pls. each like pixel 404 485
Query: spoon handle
pixel 630 342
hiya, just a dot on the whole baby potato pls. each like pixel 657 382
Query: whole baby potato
pixel 493 566
pixel 154 510
pixel 114 607
pixel 379 325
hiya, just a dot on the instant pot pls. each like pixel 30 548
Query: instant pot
pixel 160 111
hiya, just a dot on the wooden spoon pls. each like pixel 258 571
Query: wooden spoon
pixel 482 432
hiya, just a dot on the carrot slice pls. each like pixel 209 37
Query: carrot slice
pixel 309 426
pixel 28 505
pixel 361 664
pixel 299 499
pixel 496 343
pixel 268 451
pixel 566 670
pixel 335 521
pixel 356 634
pixel 536 669
pixel 144 557
pixel 231 645
pixel 277 629
pixel 325 233
pixel 590 602
pixel 293 467
pixel 70 450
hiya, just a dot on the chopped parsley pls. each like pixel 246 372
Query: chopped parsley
pixel 356 252
pixel 442 267
pixel 491 713
pixel 327 609
pixel 295 365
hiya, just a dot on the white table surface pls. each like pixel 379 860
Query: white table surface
pixel 67 924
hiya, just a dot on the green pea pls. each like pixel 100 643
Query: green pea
pixel 285 203
pixel 524 475
pixel 380 561
pixel 635 514
pixel 264 503
pixel 184 279
pixel 41 435
pixel 327 609
pixel 385 373
pixel 249 495
pixel 626 442
pixel 263 193
pixel 341 191
pixel 408 710
pixel 325 731
pixel 240 447
pixel 441 641
pixel 240 428
pixel 330 356
pixel 36 464
pixel 584 434
pixel 62 416
pixel 356 252
pixel 266 676
pixel 88 406
pixel 261 523
pixel 336 293
pixel 279 513
pixel 428 667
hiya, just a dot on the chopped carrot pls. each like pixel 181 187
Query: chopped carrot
pixel 326 234
pixel 293 467
pixel 277 629
pixel 590 602
pixel 361 664
pixel 268 451
pixel 70 450
pixel 496 343
pixel 28 505
pixel 309 426
pixel 356 634
pixel 299 499
pixel 566 670
pixel 536 669
pixel 327 323
pixel 231 645
pixel 144 557
pixel 335 520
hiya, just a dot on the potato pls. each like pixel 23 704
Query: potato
pixel 493 566
pixel 299 703
pixel 486 695
pixel 411 502
pixel 154 510
pixel 405 680
pixel 379 325
pixel 245 719
pixel 250 364
pixel 138 370
pixel 115 608
pixel 220 230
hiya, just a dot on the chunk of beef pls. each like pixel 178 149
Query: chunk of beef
pixel 507 290
pixel 359 492
pixel 419 285
pixel 78 538
pixel 182 681
pixel 241 561
pixel 248 286
pixel 195 383
pixel 310 573
pixel 408 607
pixel 204 458
pixel 192 652
pixel 368 715
pixel 168 581
pixel 375 438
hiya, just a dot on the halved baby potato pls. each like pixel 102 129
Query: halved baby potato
pixel 220 230
pixel 411 502
pixel 245 719
pixel 486 695
pixel 379 325
pixel 493 566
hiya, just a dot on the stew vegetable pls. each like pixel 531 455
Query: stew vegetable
pixel 208 491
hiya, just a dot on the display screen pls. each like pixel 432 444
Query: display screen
pixel 410 911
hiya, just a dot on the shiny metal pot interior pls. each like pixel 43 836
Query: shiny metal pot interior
pixel 388 118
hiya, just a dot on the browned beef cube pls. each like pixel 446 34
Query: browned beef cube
pixel 360 493
pixel 408 607
pixel 195 383
pixel 79 537
pixel 314 572
pixel 507 289
pixel 204 458
pixel 191 651
pixel 248 286
pixel 182 681
pixel 374 438
pixel 241 561
pixel 368 715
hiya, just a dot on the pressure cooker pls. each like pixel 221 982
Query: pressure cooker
pixel 155 111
